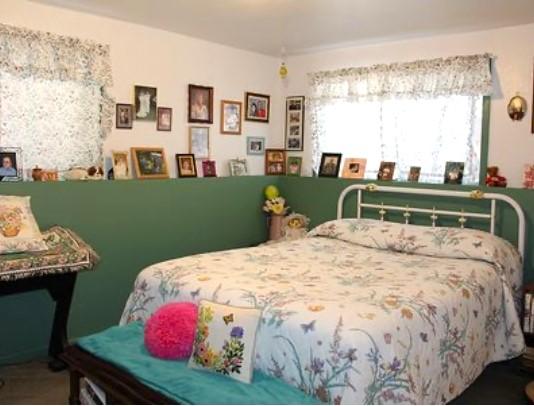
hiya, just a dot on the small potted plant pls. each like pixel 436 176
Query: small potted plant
pixel 276 208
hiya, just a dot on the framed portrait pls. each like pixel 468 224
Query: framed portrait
pixel 275 162
pixel 295 123
pixel 209 169
pixel 231 117
pixel 386 170
pixel 199 142
pixel 415 172
pixel 238 167
pixel 150 163
pixel 294 165
pixel 200 108
pixel 354 168
pixel 255 145
pixel 454 173
pixel 146 99
pixel 121 169
pixel 124 116
pixel 164 119
pixel 257 107
pixel 10 164
pixel 528 176
pixel 330 164
pixel 187 167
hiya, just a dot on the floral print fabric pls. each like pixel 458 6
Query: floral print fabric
pixel 349 323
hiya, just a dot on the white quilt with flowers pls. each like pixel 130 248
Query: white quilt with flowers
pixel 362 311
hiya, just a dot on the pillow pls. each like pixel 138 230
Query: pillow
pixel 225 340
pixel 19 231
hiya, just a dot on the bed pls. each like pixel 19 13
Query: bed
pixel 366 311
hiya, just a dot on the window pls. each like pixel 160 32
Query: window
pixel 411 132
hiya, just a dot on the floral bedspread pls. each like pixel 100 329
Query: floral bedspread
pixel 362 311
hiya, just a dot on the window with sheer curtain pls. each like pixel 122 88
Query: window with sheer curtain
pixel 421 114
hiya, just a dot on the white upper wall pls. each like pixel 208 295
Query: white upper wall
pixel 168 61
pixel 511 144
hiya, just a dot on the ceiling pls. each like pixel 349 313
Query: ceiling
pixel 268 26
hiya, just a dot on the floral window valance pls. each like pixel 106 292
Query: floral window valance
pixel 41 55
pixel 459 75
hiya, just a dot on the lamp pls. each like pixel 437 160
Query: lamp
pixel 517 108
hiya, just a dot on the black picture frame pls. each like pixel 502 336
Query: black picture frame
pixel 192 115
pixel 329 172
pixel 124 121
pixel 186 158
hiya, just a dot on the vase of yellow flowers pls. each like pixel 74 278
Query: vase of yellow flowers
pixel 276 209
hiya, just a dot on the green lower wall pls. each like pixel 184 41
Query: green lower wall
pixel 131 224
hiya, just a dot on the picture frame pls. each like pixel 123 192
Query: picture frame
pixel 238 167
pixel 255 145
pixel 209 169
pixel 124 116
pixel 200 104
pixel 330 164
pixel 354 168
pixel 275 162
pixel 532 107
pixel 415 172
pixel 146 99
pixel 454 173
pixel 186 164
pixel 164 119
pixel 386 170
pixel 199 142
pixel 294 132
pixel 231 117
pixel 294 166
pixel 121 169
pixel 150 163
pixel 257 107
pixel 528 176
pixel 11 169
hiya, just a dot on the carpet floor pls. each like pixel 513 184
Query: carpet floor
pixel 32 383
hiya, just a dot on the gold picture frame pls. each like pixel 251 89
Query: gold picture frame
pixel 150 163
pixel 121 168
pixel 231 119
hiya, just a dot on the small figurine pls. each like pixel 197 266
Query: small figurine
pixel 295 226
pixel 494 179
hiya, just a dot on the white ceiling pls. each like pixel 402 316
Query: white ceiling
pixel 267 26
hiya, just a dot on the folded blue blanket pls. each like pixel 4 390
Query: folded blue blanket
pixel 123 347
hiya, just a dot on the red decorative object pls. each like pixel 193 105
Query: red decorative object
pixel 170 331
pixel 494 179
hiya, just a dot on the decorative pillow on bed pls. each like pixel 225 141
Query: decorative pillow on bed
pixel 19 231
pixel 225 340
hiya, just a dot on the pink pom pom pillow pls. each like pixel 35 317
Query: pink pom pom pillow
pixel 170 331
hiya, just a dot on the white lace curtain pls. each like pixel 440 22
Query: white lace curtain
pixel 54 100
pixel 394 87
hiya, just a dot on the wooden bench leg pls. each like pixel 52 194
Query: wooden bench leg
pixel 74 395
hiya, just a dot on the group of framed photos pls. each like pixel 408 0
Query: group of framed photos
pixel 145 108
pixel 354 168
pixel 278 163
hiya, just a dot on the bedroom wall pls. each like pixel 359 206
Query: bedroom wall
pixel 130 224
pixel 168 61
pixel 511 144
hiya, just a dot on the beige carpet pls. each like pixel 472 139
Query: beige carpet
pixel 33 383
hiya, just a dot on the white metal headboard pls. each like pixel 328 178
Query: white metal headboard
pixel 463 216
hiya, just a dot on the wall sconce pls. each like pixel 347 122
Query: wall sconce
pixel 517 108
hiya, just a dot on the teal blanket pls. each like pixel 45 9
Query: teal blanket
pixel 123 347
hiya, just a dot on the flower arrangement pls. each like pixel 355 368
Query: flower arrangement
pixel 274 203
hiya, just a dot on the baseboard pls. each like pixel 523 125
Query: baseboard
pixel 24 356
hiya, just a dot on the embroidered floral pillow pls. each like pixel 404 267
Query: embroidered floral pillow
pixel 225 340
pixel 19 231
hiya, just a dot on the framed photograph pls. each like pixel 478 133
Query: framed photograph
pixel 354 168
pixel 124 116
pixel 150 163
pixel 275 162
pixel 454 173
pixel 10 164
pixel 187 167
pixel 121 169
pixel 199 142
pixel 386 170
pixel 528 176
pixel 295 123
pixel 200 104
pixel 415 172
pixel 294 165
pixel 164 119
pixel 255 145
pixel 257 107
pixel 231 117
pixel 238 167
pixel 209 169
pixel 330 164
pixel 146 99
